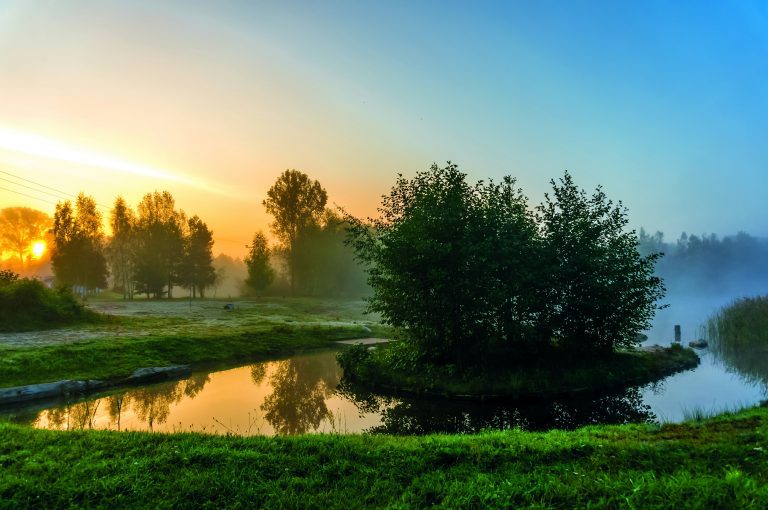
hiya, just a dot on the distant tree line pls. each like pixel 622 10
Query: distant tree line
pixel 150 252
pixel 156 247
pixel 708 263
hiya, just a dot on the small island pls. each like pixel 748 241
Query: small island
pixel 493 298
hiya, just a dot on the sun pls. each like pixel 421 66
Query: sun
pixel 38 248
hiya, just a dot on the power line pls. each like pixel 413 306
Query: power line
pixel 106 208
pixel 28 196
pixel 31 188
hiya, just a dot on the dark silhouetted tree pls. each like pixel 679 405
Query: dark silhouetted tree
pixel 160 244
pixel 260 272
pixel 196 270
pixel 603 291
pixel 121 248
pixel 297 203
pixel 78 255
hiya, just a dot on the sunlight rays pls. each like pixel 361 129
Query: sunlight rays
pixel 39 146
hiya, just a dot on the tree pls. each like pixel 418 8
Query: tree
pixel 121 249
pixel 160 244
pixel 428 266
pixel 325 265
pixel 604 291
pixel 297 203
pixel 475 278
pixel 20 227
pixel 260 272
pixel 78 256
pixel 196 271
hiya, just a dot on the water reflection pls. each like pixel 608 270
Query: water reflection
pixel 292 396
pixel 420 416
pixel 741 352
pixel 301 387
pixel 303 394
pixel 150 405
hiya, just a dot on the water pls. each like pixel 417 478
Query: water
pixel 302 394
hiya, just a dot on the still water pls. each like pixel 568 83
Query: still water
pixel 303 394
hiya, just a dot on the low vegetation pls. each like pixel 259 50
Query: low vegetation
pixel 718 463
pixel 383 369
pixel 738 335
pixel 26 304
pixel 151 333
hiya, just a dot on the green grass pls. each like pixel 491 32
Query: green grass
pixel 540 377
pixel 718 463
pixel 162 333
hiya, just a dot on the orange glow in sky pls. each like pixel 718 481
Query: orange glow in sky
pixel 38 249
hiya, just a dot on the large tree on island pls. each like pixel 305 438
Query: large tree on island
pixel 603 291
pixel 472 276
pixel 297 203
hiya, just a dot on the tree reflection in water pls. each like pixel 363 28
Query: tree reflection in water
pixel 422 416
pixel 150 404
pixel 301 386
pixel 748 359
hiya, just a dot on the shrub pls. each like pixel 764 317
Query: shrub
pixel 26 304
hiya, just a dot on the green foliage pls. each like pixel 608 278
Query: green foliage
pixel 260 272
pixel 472 275
pixel 26 304
pixel 391 369
pixel 121 248
pixel 297 203
pixel 78 254
pixel 602 292
pixel 196 269
pixel 325 265
pixel 720 463
pixel 159 244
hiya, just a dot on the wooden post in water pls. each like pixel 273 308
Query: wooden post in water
pixel 678 334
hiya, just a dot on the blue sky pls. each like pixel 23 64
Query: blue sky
pixel 662 103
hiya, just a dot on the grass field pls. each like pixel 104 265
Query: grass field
pixel 151 333
pixel 720 462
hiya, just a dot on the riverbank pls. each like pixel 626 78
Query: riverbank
pixel 720 462
pixel 155 334
pixel 544 377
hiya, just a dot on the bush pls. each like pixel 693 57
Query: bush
pixel 26 304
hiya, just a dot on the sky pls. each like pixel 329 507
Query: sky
pixel 664 104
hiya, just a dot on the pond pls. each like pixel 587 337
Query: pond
pixel 303 394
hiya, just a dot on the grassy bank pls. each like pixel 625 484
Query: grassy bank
pixel 545 376
pixel 143 334
pixel 719 463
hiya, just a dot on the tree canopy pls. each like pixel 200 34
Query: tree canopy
pixel 78 256
pixel 260 272
pixel 470 272
pixel 297 203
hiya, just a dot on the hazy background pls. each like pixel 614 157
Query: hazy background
pixel 663 103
